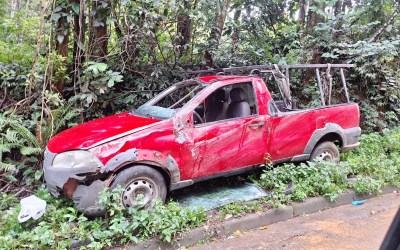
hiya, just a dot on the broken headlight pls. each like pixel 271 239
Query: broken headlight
pixel 76 159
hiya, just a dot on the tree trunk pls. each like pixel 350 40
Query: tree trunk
pixel 346 4
pixel 62 40
pixel 79 39
pixel 216 32
pixel 338 7
pixel 183 28
pixel 302 17
pixel 236 31
pixel 98 39
pixel 313 17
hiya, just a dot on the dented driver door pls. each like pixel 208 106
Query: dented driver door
pixel 215 147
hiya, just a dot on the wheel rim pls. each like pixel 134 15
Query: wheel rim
pixel 327 155
pixel 139 192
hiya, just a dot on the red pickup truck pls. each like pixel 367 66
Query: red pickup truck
pixel 206 127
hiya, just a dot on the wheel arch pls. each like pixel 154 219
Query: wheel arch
pixel 333 137
pixel 161 162
pixel 331 132
pixel 165 173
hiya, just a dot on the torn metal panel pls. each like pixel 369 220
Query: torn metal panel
pixel 173 169
pixel 57 177
pixel 151 157
pixel 127 156
pixel 180 129
pixel 87 196
pixel 182 137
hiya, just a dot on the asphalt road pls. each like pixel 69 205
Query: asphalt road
pixel 345 227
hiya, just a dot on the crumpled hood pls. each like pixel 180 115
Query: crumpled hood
pixel 87 134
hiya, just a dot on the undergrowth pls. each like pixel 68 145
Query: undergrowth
pixel 366 169
pixel 62 224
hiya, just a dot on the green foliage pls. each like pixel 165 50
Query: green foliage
pixel 366 169
pixel 62 224
pixel 96 80
pixel 375 82
pixel 237 209
pixel 311 179
pixel 17 34
pixel 145 47
pixel 58 68
pixel 57 119
pixel 15 136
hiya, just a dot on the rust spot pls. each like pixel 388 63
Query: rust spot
pixel 157 155
pixel 70 187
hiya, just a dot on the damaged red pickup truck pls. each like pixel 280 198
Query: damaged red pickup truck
pixel 206 127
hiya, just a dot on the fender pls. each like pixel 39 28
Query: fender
pixel 319 133
pixel 349 137
pixel 152 157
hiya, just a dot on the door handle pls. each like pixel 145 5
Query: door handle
pixel 254 125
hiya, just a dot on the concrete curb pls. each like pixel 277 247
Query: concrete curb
pixel 256 220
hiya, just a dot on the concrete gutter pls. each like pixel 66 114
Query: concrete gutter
pixel 255 220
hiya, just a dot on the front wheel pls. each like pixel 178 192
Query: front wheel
pixel 141 186
pixel 326 151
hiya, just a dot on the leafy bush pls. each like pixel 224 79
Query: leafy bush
pixel 311 179
pixel 62 224
pixel 15 136
pixel 366 169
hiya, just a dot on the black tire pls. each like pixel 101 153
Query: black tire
pixel 326 151
pixel 140 180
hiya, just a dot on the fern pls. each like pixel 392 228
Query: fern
pixel 24 133
pixel 59 118
pixel 66 115
pixel 6 147
pixel 12 136
pixel 6 167
pixel 30 150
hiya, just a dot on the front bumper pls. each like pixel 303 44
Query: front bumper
pixel 84 194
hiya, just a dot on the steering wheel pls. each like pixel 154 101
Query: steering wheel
pixel 197 117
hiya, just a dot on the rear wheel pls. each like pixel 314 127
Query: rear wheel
pixel 141 186
pixel 326 151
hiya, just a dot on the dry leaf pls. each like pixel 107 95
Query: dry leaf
pixel 228 216
pixel 263 227
pixel 237 233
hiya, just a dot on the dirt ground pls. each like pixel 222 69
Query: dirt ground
pixel 345 227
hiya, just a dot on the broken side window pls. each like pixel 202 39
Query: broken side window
pixel 228 102
pixel 165 105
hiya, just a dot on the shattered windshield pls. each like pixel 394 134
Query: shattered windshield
pixel 165 105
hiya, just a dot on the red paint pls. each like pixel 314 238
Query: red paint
pixel 209 79
pixel 211 148
pixel 87 134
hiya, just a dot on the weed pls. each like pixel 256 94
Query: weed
pixel 62 224
pixel 374 164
